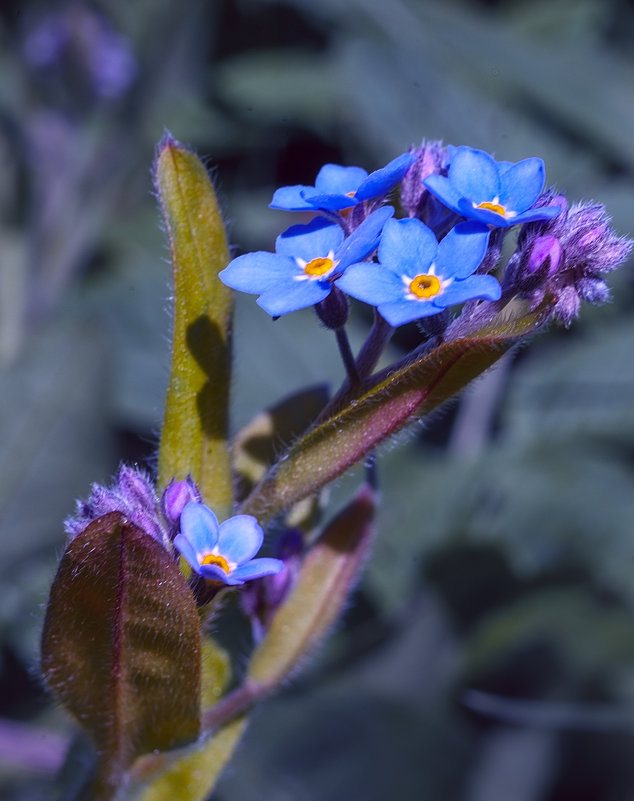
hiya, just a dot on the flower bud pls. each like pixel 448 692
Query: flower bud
pixel 544 256
pixel 262 598
pixel 132 494
pixel 431 158
pixel 333 310
pixel 175 498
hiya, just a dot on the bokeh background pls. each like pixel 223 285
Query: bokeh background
pixel 488 653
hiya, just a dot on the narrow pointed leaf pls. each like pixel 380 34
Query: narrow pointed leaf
pixel 121 646
pixel 388 402
pixel 195 428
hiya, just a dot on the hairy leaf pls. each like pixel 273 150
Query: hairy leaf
pixel 195 428
pixel 385 405
pixel 190 773
pixel 121 645
pixel 326 578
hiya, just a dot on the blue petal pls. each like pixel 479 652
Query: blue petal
pixel 407 246
pixel 442 188
pixel 461 251
pixel 403 311
pixel 290 198
pixel 317 200
pixel 240 538
pixel 381 181
pixel 333 179
pixel 314 240
pixel 183 546
pixel 476 286
pixel 521 184
pixel 199 525
pixel 474 174
pixel 291 297
pixel 364 239
pixel 372 283
pixel 266 566
pixel 259 271
pixel 541 213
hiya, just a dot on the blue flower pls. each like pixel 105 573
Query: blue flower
pixel 307 260
pixel 223 552
pixel 497 193
pixel 418 276
pixel 337 188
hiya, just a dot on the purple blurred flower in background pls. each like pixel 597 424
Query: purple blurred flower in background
pixel 87 41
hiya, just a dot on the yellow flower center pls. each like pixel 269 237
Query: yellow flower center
pixel 217 560
pixel 492 207
pixel 319 266
pixel 425 286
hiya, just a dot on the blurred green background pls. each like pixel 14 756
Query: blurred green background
pixel 488 653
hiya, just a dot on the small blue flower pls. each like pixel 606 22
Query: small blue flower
pixel 337 188
pixel 307 259
pixel 417 276
pixel 223 552
pixel 497 193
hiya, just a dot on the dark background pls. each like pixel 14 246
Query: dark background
pixel 488 653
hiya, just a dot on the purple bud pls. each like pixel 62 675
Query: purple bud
pixel 175 497
pixel 593 238
pixel 135 487
pixel 263 597
pixel 132 494
pixel 564 258
pixel 594 290
pixel 431 159
pixel 567 305
pixel 545 256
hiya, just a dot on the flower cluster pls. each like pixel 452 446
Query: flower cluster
pixel 217 552
pixel 459 204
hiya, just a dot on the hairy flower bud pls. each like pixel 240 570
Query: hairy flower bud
pixel 262 598
pixel 565 257
pixel 132 494
pixel 431 158
pixel 175 498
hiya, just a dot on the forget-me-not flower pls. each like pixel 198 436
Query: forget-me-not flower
pixel 497 193
pixel 223 552
pixel 307 260
pixel 417 276
pixel 338 188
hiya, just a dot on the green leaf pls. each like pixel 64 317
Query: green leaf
pixel 195 428
pixel 399 396
pixel 327 575
pixel 192 775
pixel 121 645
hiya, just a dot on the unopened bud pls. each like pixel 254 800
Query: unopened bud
pixel 545 256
